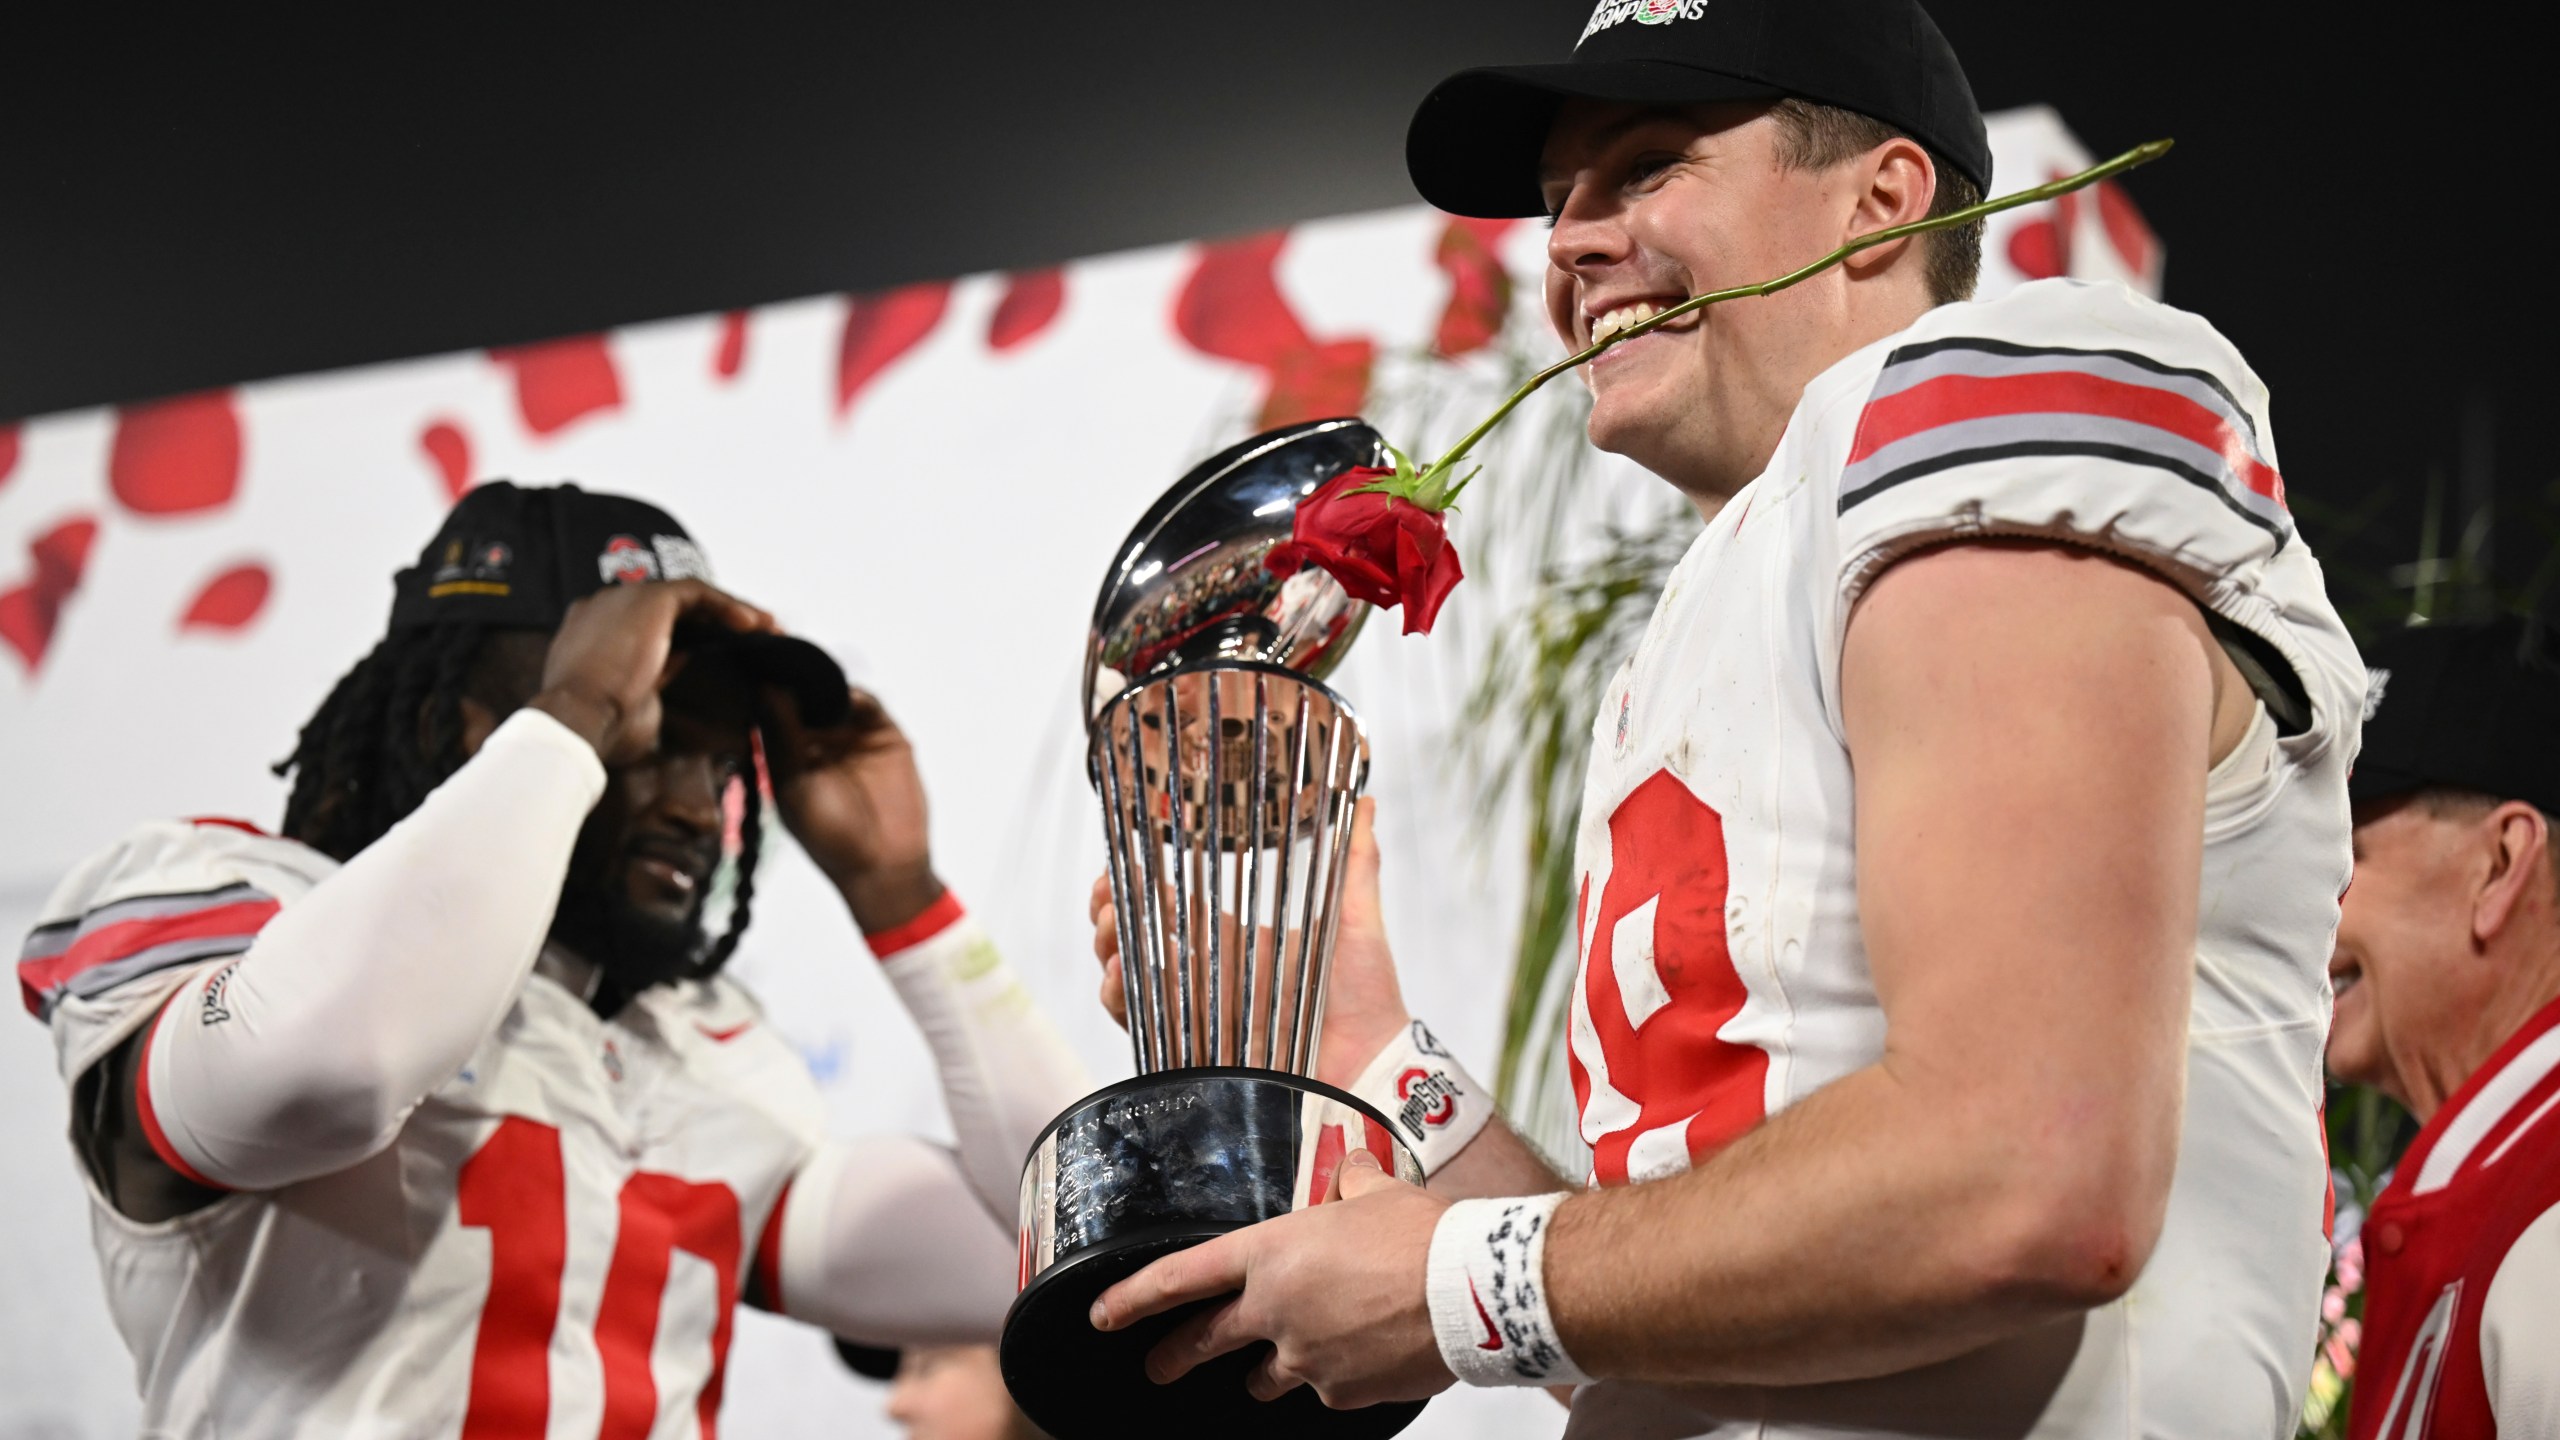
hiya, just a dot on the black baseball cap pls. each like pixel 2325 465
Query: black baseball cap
pixel 2465 707
pixel 519 556
pixel 1473 147
pixel 871 1362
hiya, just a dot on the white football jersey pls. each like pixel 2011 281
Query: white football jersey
pixel 1722 973
pixel 554 1245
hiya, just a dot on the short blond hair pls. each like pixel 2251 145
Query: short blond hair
pixel 1813 136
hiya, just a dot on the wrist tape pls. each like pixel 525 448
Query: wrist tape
pixel 1488 1293
pixel 1434 1107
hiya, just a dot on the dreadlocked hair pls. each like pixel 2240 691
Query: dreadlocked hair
pixel 389 732
pixel 741 899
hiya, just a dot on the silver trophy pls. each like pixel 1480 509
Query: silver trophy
pixel 1227 773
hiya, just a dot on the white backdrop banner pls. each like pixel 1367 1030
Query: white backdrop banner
pixel 930 483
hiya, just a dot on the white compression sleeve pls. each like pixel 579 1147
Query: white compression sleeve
pixel 376 987
pixel 882 1241
pixel 1006 1071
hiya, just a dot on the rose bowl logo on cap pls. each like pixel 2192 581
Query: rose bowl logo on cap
pixel 1643 12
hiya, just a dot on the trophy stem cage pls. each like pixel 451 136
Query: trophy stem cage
pixel 1227 793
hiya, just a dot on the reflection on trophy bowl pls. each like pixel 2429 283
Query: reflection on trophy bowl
pixel 1135 1172
pixel 1228 774
pixel 1189 584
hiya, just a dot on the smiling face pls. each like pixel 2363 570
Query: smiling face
pixel 1652 206
pixel 2444 944
pixel 644 860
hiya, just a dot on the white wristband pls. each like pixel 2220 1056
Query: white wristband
pixel 1434 1107
pixel 1487 1286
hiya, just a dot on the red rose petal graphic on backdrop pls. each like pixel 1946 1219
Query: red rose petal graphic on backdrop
pixel 2036 249
pixel 8 450
pixel 732 355
pixel 230 600
pixel 560 381
pixel 1231 307
pixel 1479 288
pixel 881 327
pixel 28 612
pixel 446 445
pixel 2041 248
pixel 1318 383
pixel 175 456
pixel 1032 298
pixel 2126 229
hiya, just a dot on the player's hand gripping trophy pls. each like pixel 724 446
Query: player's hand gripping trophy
pixel 1228 774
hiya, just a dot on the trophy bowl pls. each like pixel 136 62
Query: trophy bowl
pixel 1227 773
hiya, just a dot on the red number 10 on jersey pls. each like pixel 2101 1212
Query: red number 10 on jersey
pixel 514 1188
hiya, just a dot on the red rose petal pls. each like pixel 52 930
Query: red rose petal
pixel 171 457
pixel 450 449
pixel 882 327
pixel 1479 288
pixel 8 450
pixel 733 345
pixel 2126 230
pixel 29 612
pixel 230 600
pixel 561 381
pixel 1032 299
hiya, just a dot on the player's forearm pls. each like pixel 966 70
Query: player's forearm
pixel 1006 1071
pixel 1879 1225
pixel 1496 1162
pixel 309 1052
pixel 882 1241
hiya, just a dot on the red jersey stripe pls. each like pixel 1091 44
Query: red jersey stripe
pixel 1952 399
pixel 150 1114
pixel 128 938
pixel 939 916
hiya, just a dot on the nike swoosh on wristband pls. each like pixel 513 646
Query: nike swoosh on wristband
pixel 1492 1338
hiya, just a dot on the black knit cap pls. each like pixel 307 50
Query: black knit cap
pixel 2463 707
pixel 519 556
pixel 1474 144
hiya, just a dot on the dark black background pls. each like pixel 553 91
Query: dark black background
pixel 187 207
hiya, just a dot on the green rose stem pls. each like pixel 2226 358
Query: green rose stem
pixel 1431 487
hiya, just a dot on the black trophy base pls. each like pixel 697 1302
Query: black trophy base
pixel 1079 1383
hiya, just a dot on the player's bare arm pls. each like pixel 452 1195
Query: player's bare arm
pixel 2034 966
pixel 2031 729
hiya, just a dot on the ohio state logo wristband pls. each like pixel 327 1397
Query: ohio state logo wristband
pixel 1436 1107
pixel 1487 1286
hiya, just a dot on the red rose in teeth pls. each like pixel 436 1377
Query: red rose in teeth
pixel 1384 548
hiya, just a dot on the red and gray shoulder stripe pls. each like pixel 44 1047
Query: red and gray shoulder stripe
pixel 130 938
pixel 1944 404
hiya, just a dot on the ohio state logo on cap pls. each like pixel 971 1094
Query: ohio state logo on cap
pixel 626 561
